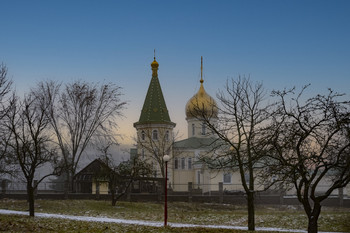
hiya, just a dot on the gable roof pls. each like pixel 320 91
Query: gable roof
pixel 92 168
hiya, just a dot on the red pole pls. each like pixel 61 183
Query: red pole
pixel 166 196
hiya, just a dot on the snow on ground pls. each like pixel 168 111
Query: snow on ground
pixel 143 223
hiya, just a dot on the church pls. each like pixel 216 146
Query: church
pixel 186 169
pixel 155 138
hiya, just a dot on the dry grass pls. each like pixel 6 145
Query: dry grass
pixel 287 217
pixel 16 223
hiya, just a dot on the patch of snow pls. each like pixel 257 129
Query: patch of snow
pixel 143 223
pixel 241 220
pixel 291 207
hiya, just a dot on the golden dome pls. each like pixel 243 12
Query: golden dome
pixel 201 103
pixel 154 64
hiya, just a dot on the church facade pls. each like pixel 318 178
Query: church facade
pixel 155 139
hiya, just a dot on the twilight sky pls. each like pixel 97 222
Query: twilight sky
pixel 281 43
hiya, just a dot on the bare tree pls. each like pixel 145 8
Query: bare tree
pixel 120 175
pixel 240 146
pixel 78 112
pixel 154 147
pixel 29 142
pixel 5 89
pixel 311 147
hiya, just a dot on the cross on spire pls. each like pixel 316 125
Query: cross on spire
pixel 202 70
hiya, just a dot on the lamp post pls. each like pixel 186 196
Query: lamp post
pixel 166 159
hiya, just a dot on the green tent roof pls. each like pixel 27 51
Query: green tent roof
pixel 154 109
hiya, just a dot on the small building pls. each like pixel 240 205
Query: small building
pixel 92 179
pixel 87 180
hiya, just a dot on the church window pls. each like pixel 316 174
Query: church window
pixel 155 134
pixel 176 163
pixel 203 129
pixel 198 177
pixel 227 178
pixel 183 163
pixel 167 135
pixel 143 135
pixel 193 130
pixel 189 163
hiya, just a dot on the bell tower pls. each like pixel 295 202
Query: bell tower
pixel 154 128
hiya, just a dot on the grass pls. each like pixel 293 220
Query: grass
pixel 288 217
pixel 15 223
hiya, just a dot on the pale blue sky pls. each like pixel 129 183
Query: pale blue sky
pixel 282 43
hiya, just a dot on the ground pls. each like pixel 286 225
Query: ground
pixel 286 217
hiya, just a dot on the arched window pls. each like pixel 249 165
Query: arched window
pixel 155 134
pixel 203 129
pixel 189 163
pixel 193 130
pixel 198 177
pixel 183 163
pixel 143 135
pixel 167 135
pixel 176 163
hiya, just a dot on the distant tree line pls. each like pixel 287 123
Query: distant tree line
pixel 54 124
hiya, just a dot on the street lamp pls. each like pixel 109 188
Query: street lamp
pixel 166 159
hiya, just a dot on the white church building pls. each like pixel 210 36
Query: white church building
pixel 155 139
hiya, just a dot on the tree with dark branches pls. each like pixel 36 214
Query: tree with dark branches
pixel 152 151
pixel 29 142
pixel 120 175
pixel 243 114
pixel 310 146
pixel 5 89
pixel 78 112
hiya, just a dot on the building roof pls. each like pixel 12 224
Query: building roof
pixel 154 109
pixel 91 170
pixel 196 143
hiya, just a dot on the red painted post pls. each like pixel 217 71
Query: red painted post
pixel 166 195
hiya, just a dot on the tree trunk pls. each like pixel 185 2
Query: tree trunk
pixel 114 199
pixel 70 181
pixel 30 193
pixel 313 218
pixel 71 184
pixel 251 211
pixel 67 185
